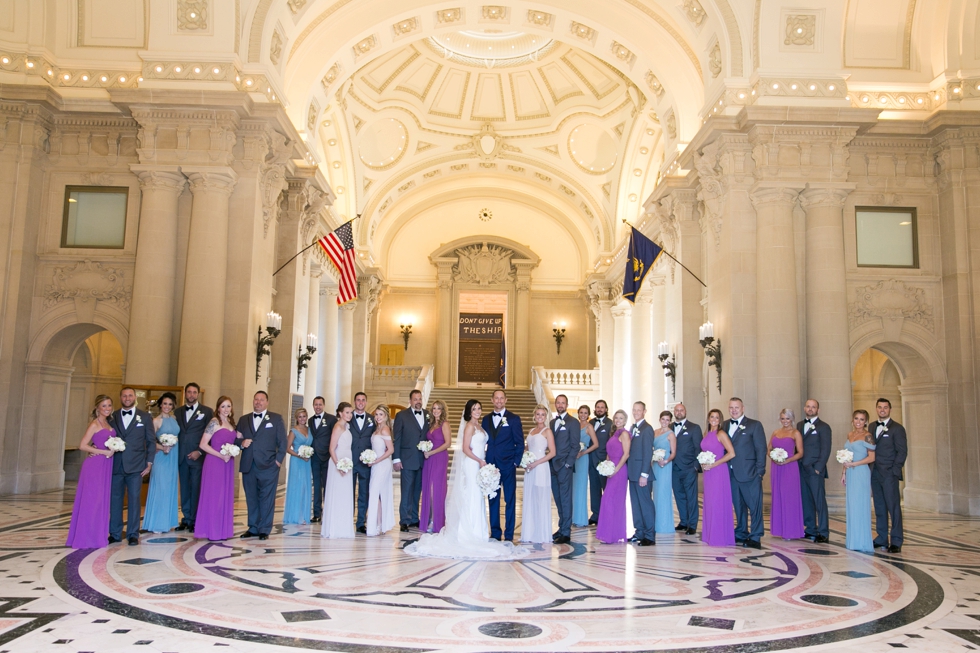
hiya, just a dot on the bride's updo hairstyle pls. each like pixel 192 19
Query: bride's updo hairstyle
pixel 468 411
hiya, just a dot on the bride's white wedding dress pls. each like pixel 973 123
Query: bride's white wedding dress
pixel 466 533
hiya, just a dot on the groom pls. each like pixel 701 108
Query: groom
pixel 566 451
pixel 504 449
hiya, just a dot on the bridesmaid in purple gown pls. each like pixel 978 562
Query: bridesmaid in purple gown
pixel 434 471
pixel 786 517
pixel 216 507
pixel 718 527
pixel 89 528
pixel 612 511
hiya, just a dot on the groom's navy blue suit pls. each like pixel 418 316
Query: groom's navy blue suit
pixel 505 448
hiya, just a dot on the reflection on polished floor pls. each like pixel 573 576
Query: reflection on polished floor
pixel 296 591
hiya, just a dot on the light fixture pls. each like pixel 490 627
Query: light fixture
pixel 30 64
pixel 669 363
pixel 303 357
pixel 159 69
pixel 177 69
pixel 559 335
pixel 831 87
pixel 5 60
pixel 66 77
pixel 122 80
pixel 84 78
pixel 406 331
pixel 712 348
pixel 216 70
pixel 104 78
pixel 197 69
pixel 273 327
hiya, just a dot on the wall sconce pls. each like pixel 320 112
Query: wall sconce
pixel 712 348
pixel 669 363
pixel 303 358
pixel 273 325
pixel 559 335
pixel 406 331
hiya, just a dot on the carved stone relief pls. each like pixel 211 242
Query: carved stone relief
pixel 192 14
pixel 484 265
pixel 85 280
pixel 890 299
pixel 800 29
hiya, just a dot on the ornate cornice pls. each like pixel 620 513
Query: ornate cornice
pixel 890 299
pixel 88 280
pixel 824 197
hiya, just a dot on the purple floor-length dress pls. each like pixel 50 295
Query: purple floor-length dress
pixel 89 528
pixel 216 507
pixel 786 519
pixel 717 528
pixel 612 510
pixel 434 484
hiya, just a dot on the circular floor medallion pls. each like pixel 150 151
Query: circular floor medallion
pixel 175 588
pixel 510 630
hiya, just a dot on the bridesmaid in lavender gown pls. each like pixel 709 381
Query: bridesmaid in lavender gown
pixel 536 509
pixel 433 513
pixel 89 528
pixel 216 507
pixel 338 500
pixel 717 528
pixel 786 517
pixel 612 511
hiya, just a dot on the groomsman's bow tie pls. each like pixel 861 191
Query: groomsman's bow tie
pixel 256 415
pixel 361 416
pixel 188 407
pixel 417 412
pixel 127 413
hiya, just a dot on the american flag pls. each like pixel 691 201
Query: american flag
pixel 339 247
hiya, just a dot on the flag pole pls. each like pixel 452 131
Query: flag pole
pixel 672 257
pixel 315 241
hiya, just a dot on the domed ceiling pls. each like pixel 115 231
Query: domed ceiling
pixel 492 103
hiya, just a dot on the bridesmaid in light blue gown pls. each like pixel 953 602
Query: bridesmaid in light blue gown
pixel 857 483
pixel 161 498
pixel 299 482
pixel 663 489
pixel 580 477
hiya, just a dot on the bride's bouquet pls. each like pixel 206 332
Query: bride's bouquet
pixel 845 456
pixel 368 456
pixel 305 452
pixel 230 450
pixel 778 455
pixel 659 455
pixel 424 446
pixel 345 465
pixel 706 458
pixel 606 468
pixel 116 444
pixel 167 439
pixel 527 459
pixel 488 479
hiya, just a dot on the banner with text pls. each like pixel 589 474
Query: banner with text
pixel 481 337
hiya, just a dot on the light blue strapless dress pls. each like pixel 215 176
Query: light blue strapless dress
pixel 161 498
pixel 299 484
pixel 858 502
pixel 580 484
pixel 663 491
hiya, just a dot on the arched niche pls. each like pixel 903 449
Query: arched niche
pixel 484 263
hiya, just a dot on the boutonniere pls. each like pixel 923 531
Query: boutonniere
pixel 503 421
pixel 741 427
pixel 370 422
pixel 139 420
pixel 267 417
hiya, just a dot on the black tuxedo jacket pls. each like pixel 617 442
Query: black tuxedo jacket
pixel 602 430
pixel 268 442
pixel 140 439
pixel 892 448
pixel 192 427
pixel 406 437
pixel 817 444
pixel 361 439
pixel 321 435
pixel 505 444
pixel 566 441
pixel 751 452
pixel 688 447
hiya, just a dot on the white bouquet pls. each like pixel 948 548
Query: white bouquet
pixel 368 456
pixel 116 444
pixel 706 458
pixel 345 465
pixel 581 446
pixel 167 439
pixel 489 480
pixel 778 455
pixel 845 456
pixel 659 455
pixel 606 468
pixel 305 452
pixel 527 459
pixel 424 446
pixel 230 450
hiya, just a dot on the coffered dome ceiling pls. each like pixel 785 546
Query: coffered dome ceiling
pixel 532 112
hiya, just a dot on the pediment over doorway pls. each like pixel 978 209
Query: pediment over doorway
pixel 484 260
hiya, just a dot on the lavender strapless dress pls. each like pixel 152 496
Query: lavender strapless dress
pixel 89 528
pixel 216 507
pixel 434 480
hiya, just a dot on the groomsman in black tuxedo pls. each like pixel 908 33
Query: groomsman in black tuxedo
pixel 135 427
pixel 566 431
pixel 411 426
pixel 321 427
pixel 684 480
pixel 891 450
pixel 361 429
pixel 747 469
pixel 817 442
pixel 192 418
pixel 505 448
pixel 601 424
pixel 640 469
pixel 262 437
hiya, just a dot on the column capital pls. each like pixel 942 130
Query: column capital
pixel 833 197
pixel 160 178
pixel 349 306
pixel 211 179
pixel 329 290
pixel 622 310
pixel 779 195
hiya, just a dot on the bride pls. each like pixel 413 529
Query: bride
pixel 465 534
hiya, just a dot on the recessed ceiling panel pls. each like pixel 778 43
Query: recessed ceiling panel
pixel 596 76
pixel 380 73
pixel 382 143
pixel 419 78
pixel 488 98
pixel 528 102
pixel 449 99
pixel 560 86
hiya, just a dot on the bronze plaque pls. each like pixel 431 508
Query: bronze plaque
pixel 480 342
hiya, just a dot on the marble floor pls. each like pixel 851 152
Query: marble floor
pixel 297 592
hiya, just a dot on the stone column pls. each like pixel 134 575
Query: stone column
pixel 621 357
pixel 202 317
pixel 777 325
pixel 828 363
pixel 519 375
pixel 148 358
pixel 444 307
pixel 601 301
pixel 660 392
pixel 370 288
pixel 311 388
pixel 328 370
pixel 641 387
pixel 346 352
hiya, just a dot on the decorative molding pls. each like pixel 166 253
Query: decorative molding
pixel 583 32
pixel 484 265
pixel 275 47
pixel 778 195
pixel 495 12
pixel 834 87
pixel 332 74
pixel 540 18
pixel 622 53
pixel 670 123
pixel 192 15
pixel 711 192
pixel 655 85
pixel 85 280
pixel 364 46
pixel 714 60
pixel 311 115
pixel 801 29
pixel 890 299
pixel 407 26
pixel 295 5
pixel 449 16
pixel 694 12
pixel 273 178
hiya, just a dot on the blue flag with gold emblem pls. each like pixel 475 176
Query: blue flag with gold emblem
pixel 641 256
